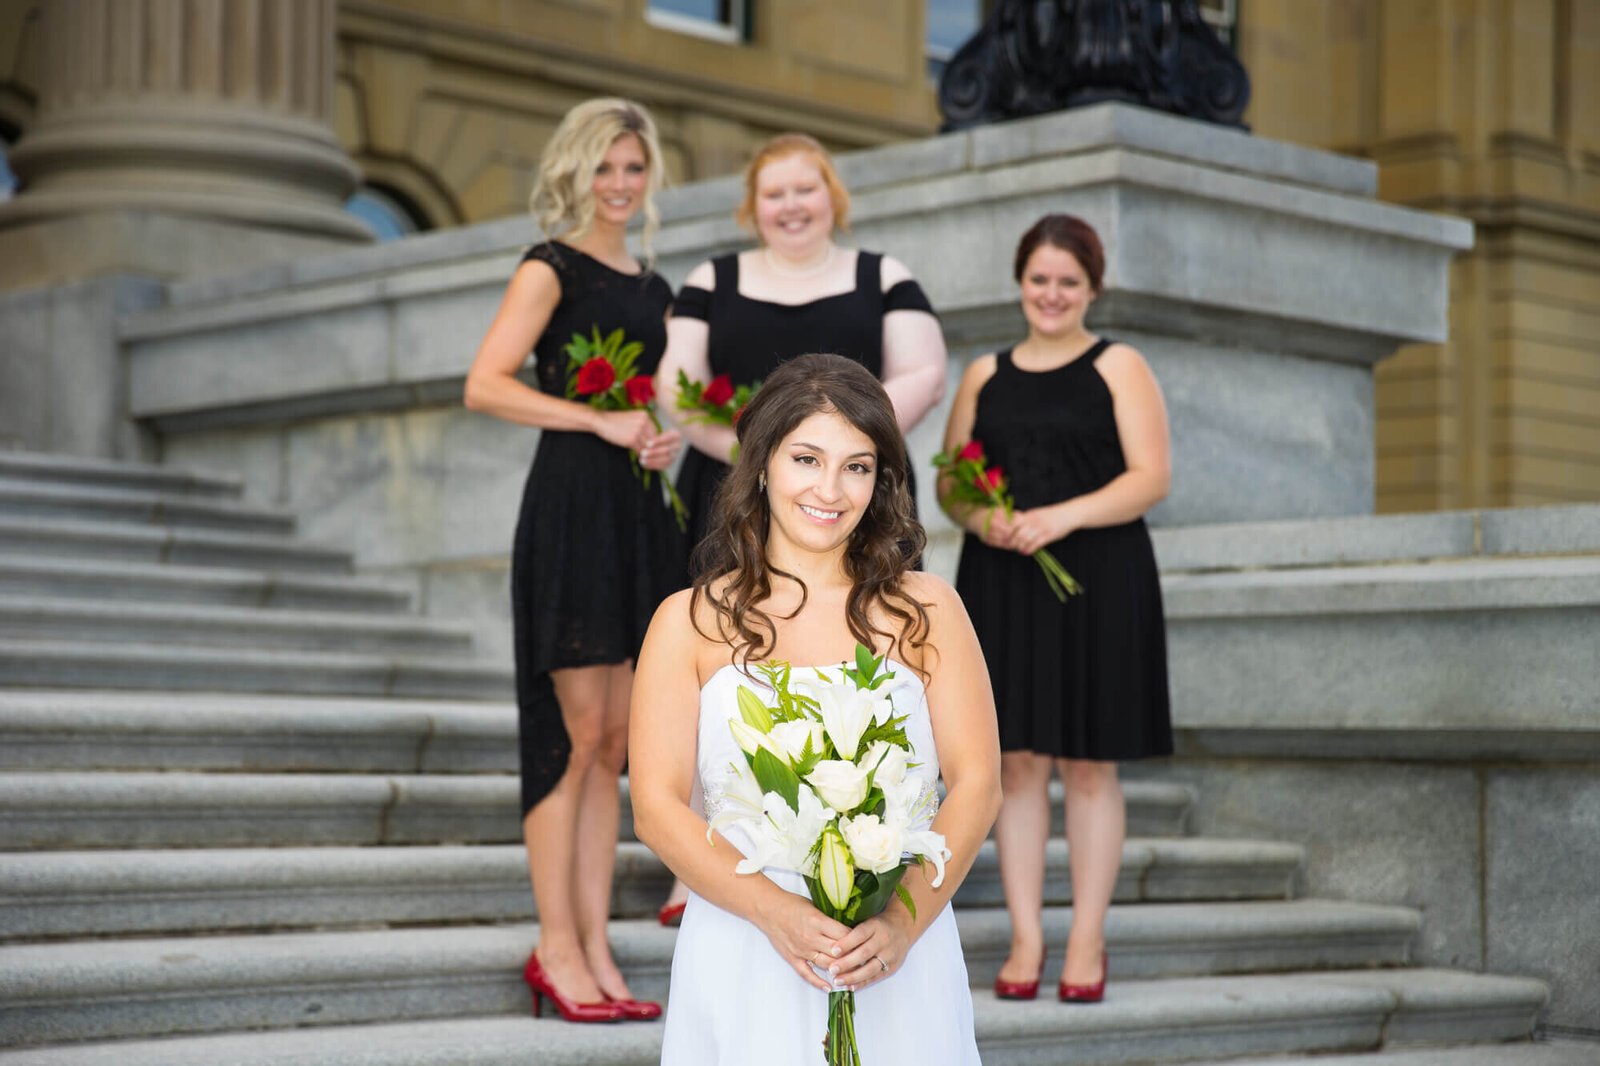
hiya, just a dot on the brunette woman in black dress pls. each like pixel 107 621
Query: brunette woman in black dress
pixel 595 550
pixel 1079 426
pixel 797 292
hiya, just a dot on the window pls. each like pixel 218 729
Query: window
pixel 950 24
pixel 8 180
pixel 389 214
pixel 720 20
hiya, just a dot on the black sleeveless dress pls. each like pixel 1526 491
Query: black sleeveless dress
pixel 1085 679
pixel 595 551
pixel 750 338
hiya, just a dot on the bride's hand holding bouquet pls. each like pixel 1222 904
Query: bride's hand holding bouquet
pixel 826 793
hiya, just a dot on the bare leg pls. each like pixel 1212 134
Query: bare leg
pixel 550 832
pixel 1096 827
pixel 1020 835
pixel 679 894
pixel 598 814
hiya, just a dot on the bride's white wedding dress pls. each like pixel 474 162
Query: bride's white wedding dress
pixel 735 1002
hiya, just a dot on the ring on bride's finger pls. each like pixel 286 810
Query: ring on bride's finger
pixel 882 963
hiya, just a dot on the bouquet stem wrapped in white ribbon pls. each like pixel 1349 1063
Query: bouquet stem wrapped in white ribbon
pixel 824 792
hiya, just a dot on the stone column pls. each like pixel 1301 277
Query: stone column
pixel 213 112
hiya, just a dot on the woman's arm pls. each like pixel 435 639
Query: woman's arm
pixel 689 350
pixel 1141 416
pixel 913 355
pixel 988 523
pixel 967 737
pixel 493 388
pixel 662 735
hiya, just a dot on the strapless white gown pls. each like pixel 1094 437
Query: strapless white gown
pixel 734 1002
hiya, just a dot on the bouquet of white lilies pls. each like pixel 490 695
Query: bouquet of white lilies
pixel 825 793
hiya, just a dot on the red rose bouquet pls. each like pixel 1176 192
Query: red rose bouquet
pixel 719 401
pixel 973 483
pixel 601 371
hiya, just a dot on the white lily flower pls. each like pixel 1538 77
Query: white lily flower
pixel 742 800
pixel 929 845
pixel 846 711
pixel 784 838
pixel 875 845
pixel 842 785
pixel 790 738
pixel 834 868
pixel 751 739
pixel 889 762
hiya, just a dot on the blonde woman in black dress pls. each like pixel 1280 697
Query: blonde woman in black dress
pixel 595 549
pixel 1079 426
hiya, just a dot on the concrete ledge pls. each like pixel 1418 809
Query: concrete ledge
pixel 172 583
pixel 160 544
pixel 62 664
pixel 81 992
pixel 21 498
pixel 55 894
pixel 169 731
pixel 47 467
pixel 1357 539
pixel 196 625
pixel 1435 1006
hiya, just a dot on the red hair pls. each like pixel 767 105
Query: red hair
pixel 783 146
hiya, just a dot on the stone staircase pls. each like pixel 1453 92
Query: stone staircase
pixel 254 810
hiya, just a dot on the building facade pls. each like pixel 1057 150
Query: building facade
pixel 1487 109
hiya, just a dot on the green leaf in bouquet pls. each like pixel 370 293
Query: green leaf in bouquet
pixel 873 894
pixel 753 711
pixel 774 775
pixel 905 897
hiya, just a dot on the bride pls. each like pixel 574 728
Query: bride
pixel 809 552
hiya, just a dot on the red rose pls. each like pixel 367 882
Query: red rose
pixel 640 389
pixel 989 480
pixel 719 392
pixel 971 450
pixel 596 375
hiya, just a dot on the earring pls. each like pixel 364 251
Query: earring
pixel 761 478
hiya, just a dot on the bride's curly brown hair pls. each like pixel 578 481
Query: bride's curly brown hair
pixel 884 545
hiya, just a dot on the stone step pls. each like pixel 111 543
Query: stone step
pixel 1522 1053
pixel 169 583
pixel 69 664
pixel 1367 540
pixel 103 541
pixel 107 473
pixel 70 893
pixel 43 729
pixel 1146 940
pixel 147 988
pixel 34 499
pixel 181 808
pixel 103 625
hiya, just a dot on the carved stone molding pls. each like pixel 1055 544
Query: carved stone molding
pixel 1034 56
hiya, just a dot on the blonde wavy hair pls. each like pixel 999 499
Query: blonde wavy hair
pixel 562 201
pixel 783 146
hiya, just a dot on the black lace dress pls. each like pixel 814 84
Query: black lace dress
pixel 595 551
pixel 1085 679
pixel 750 338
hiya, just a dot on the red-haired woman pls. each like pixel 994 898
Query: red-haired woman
pixel 1078 424
pixel 743 315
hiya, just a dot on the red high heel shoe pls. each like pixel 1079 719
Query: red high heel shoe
pixel 1086 993
pixel 539 982
pixel 635 1010
pixel 1019 989
pixel 671 914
